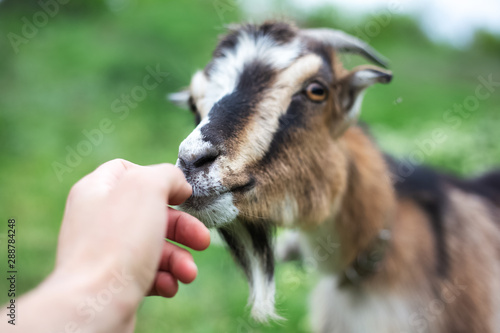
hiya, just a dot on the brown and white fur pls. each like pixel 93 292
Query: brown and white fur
pixel 271 149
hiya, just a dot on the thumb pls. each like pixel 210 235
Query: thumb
pixel 178 189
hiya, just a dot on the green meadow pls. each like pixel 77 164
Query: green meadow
pixel 81 73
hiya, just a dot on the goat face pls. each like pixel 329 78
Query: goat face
pixel 271 107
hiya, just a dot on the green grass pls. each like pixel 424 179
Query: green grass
pixel 65 80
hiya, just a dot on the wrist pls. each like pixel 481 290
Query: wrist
pixel 91 302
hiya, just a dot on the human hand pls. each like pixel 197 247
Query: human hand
pixel 115 223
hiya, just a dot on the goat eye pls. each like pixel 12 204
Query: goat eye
pixel 316 92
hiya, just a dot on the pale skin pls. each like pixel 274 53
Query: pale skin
pixel 112 251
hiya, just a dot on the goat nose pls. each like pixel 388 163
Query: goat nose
pixel 198 158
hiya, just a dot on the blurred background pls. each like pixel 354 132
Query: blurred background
pixel 72 96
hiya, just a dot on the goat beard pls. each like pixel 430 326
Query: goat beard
pixel 251 245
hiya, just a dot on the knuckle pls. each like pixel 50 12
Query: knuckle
pixel 78 188
pixel 138 176
pixel 142 178
pixel 87 188
pixel 118 161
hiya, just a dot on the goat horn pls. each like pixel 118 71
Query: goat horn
pixel 343 42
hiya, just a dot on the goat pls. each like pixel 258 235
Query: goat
pixel 277 145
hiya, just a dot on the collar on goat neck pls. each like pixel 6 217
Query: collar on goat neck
pixel 366 212
pixel 367 262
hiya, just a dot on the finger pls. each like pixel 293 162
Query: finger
pixel 141 194
pixel 187 230
pixel 178 262
pixel 180 194
pixel 166 178
pixel 111 171
pixel 164 285
pixel 179 190
pixel 103 178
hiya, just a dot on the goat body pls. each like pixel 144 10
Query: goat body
pixel 440 271
pixel 277 144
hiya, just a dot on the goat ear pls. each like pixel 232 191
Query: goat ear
pixel 352 87
pixel 181 98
